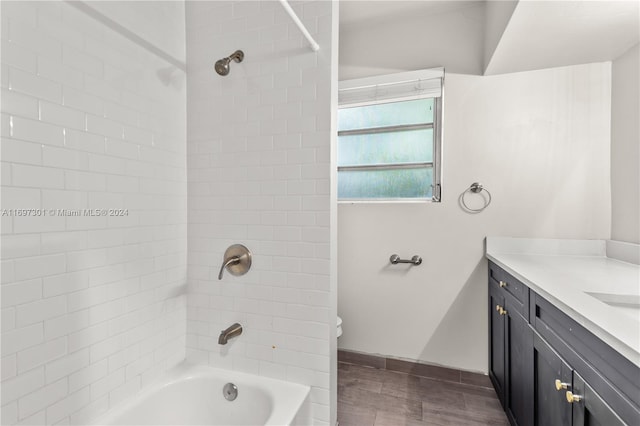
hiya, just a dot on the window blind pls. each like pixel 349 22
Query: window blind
pixel 391 87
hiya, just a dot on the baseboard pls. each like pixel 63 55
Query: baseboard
pixel 415 368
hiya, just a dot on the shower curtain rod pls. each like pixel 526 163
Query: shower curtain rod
pixel 312 43
pixel 85 7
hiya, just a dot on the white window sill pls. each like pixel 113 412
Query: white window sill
pixel 391 201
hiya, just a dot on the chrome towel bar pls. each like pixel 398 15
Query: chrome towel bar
pixel 395 259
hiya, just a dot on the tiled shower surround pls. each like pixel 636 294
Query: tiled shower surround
pixel 258 164
pixel 94 307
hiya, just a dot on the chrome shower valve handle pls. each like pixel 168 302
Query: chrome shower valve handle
pixel 231 261
pixel 237 260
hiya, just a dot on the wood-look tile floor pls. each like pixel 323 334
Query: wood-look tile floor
pixel 369 396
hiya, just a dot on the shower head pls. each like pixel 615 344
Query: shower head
pixel 222 66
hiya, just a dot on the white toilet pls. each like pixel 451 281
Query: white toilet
pixel 339 325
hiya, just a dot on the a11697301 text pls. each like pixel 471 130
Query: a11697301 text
pixel 64 212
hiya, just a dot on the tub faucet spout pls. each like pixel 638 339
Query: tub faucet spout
pixel 231 332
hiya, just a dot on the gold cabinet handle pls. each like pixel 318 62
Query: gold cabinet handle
pixel 503 284
pixel 561 385
pixel 503 311
pixel 498 308
pixel 571 398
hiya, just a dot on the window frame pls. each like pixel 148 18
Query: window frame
pixel 436 125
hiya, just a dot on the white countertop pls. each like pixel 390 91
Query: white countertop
pixel 565 272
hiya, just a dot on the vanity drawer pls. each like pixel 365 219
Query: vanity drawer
pixel 512 286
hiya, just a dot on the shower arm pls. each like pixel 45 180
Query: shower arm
pixel 236 56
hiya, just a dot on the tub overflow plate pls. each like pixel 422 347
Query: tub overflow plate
pixel 230 391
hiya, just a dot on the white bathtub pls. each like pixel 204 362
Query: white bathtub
pixel 192 395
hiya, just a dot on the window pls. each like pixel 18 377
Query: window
pixel 389 133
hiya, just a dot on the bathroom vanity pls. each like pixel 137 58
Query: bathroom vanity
pixel 564 333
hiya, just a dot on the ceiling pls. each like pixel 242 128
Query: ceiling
pixel 545 34
pixel 526 35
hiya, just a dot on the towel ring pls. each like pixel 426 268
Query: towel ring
pixel 476 188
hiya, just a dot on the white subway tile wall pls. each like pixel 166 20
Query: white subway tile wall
pixel 93 307
pixel 258 164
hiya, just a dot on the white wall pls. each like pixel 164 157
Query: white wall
pixel 625 147
pixel 259 167
pixel 92 307
pixel 539 141
pixel 497 16
pixel 452 38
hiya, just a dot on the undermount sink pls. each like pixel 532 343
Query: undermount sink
pixel 628 301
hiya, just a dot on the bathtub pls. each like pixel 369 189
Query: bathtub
pixel 193 395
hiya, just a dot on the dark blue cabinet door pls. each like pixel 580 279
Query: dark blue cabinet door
pixel 519 368
pixel 497 342
pixel 550 404
pixel 589 409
